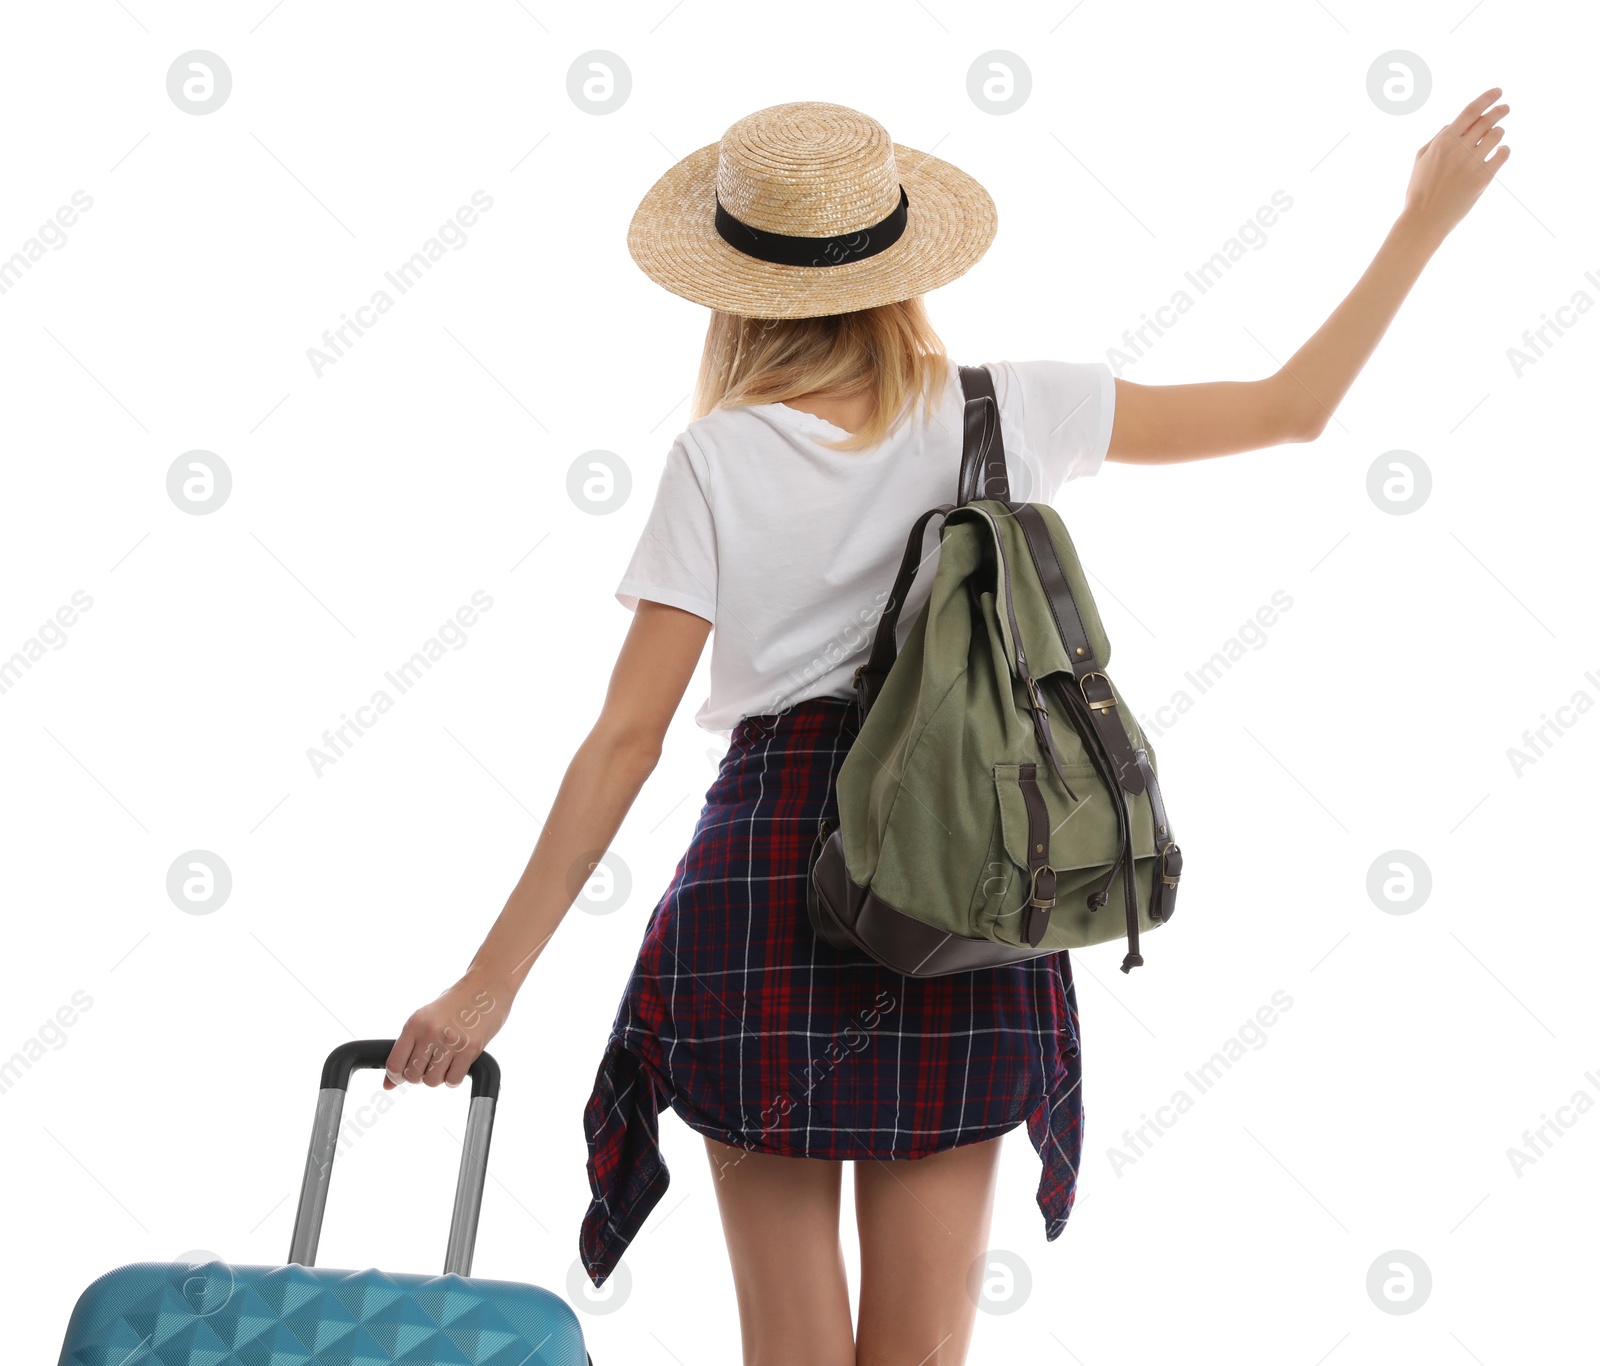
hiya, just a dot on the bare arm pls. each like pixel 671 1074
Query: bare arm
pixel 1163 423
pixel 442 1039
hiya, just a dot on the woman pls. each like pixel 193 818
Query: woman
pixel 826 418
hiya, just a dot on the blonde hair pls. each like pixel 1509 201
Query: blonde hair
pixel 891 350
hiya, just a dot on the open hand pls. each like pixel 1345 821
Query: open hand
pixel 443 1039
pixel 1455 166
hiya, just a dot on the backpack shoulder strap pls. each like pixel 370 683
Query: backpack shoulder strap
pixel 980 441
pixel 870 674
pixel 983 453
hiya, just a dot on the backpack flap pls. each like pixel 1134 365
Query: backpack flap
pixel 1036 609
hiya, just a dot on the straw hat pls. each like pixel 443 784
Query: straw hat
pixel 805 209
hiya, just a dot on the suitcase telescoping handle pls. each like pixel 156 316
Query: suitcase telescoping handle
pixel 374 1053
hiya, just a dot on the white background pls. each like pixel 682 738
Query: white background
pixel 370 502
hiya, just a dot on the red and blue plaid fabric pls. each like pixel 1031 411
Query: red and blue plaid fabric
pixel 766 1037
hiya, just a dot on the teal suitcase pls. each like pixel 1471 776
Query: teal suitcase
pixel 216 1314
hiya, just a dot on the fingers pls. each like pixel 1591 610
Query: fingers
pixel 1468 116
pixel 413 1054
pixel 422 1058
pixel 427 1062
pixel 1481 126
pixel 438 1064
pixel 460 1065
pixel 399 1058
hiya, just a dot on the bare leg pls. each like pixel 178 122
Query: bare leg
pixel 781 1219
pixel 922 1224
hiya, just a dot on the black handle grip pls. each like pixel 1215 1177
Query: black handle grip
pixel 364 1054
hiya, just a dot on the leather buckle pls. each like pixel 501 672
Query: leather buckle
pixel 1170 879
pixel 1034 898
pixel 1108 702
pixel 1036 910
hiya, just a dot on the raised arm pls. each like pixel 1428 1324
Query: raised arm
pixel 1163 423
pixel 658 656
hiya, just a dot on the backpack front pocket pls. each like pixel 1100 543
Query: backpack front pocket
pixel 1080 839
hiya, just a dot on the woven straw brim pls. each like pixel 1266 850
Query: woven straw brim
pixel 950 222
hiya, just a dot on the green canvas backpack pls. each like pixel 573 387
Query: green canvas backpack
pixel 998 791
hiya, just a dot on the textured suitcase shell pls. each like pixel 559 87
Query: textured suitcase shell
pixel 172 1314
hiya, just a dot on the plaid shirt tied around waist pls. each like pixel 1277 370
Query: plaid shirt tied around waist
pixel 763 1036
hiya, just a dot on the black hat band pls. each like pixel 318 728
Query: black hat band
pixel 813 251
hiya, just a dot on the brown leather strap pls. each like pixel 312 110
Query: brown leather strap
pixel 1164 890
pixel 1123 861
pixel 983 458
pixel 880 659
pixel 1091 680
pixel 1041 888
pixel 1164 894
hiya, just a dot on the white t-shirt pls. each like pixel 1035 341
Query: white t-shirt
pixel 790 549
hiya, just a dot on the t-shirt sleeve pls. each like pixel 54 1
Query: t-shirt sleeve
pixel 675 560
pixel 1066 408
